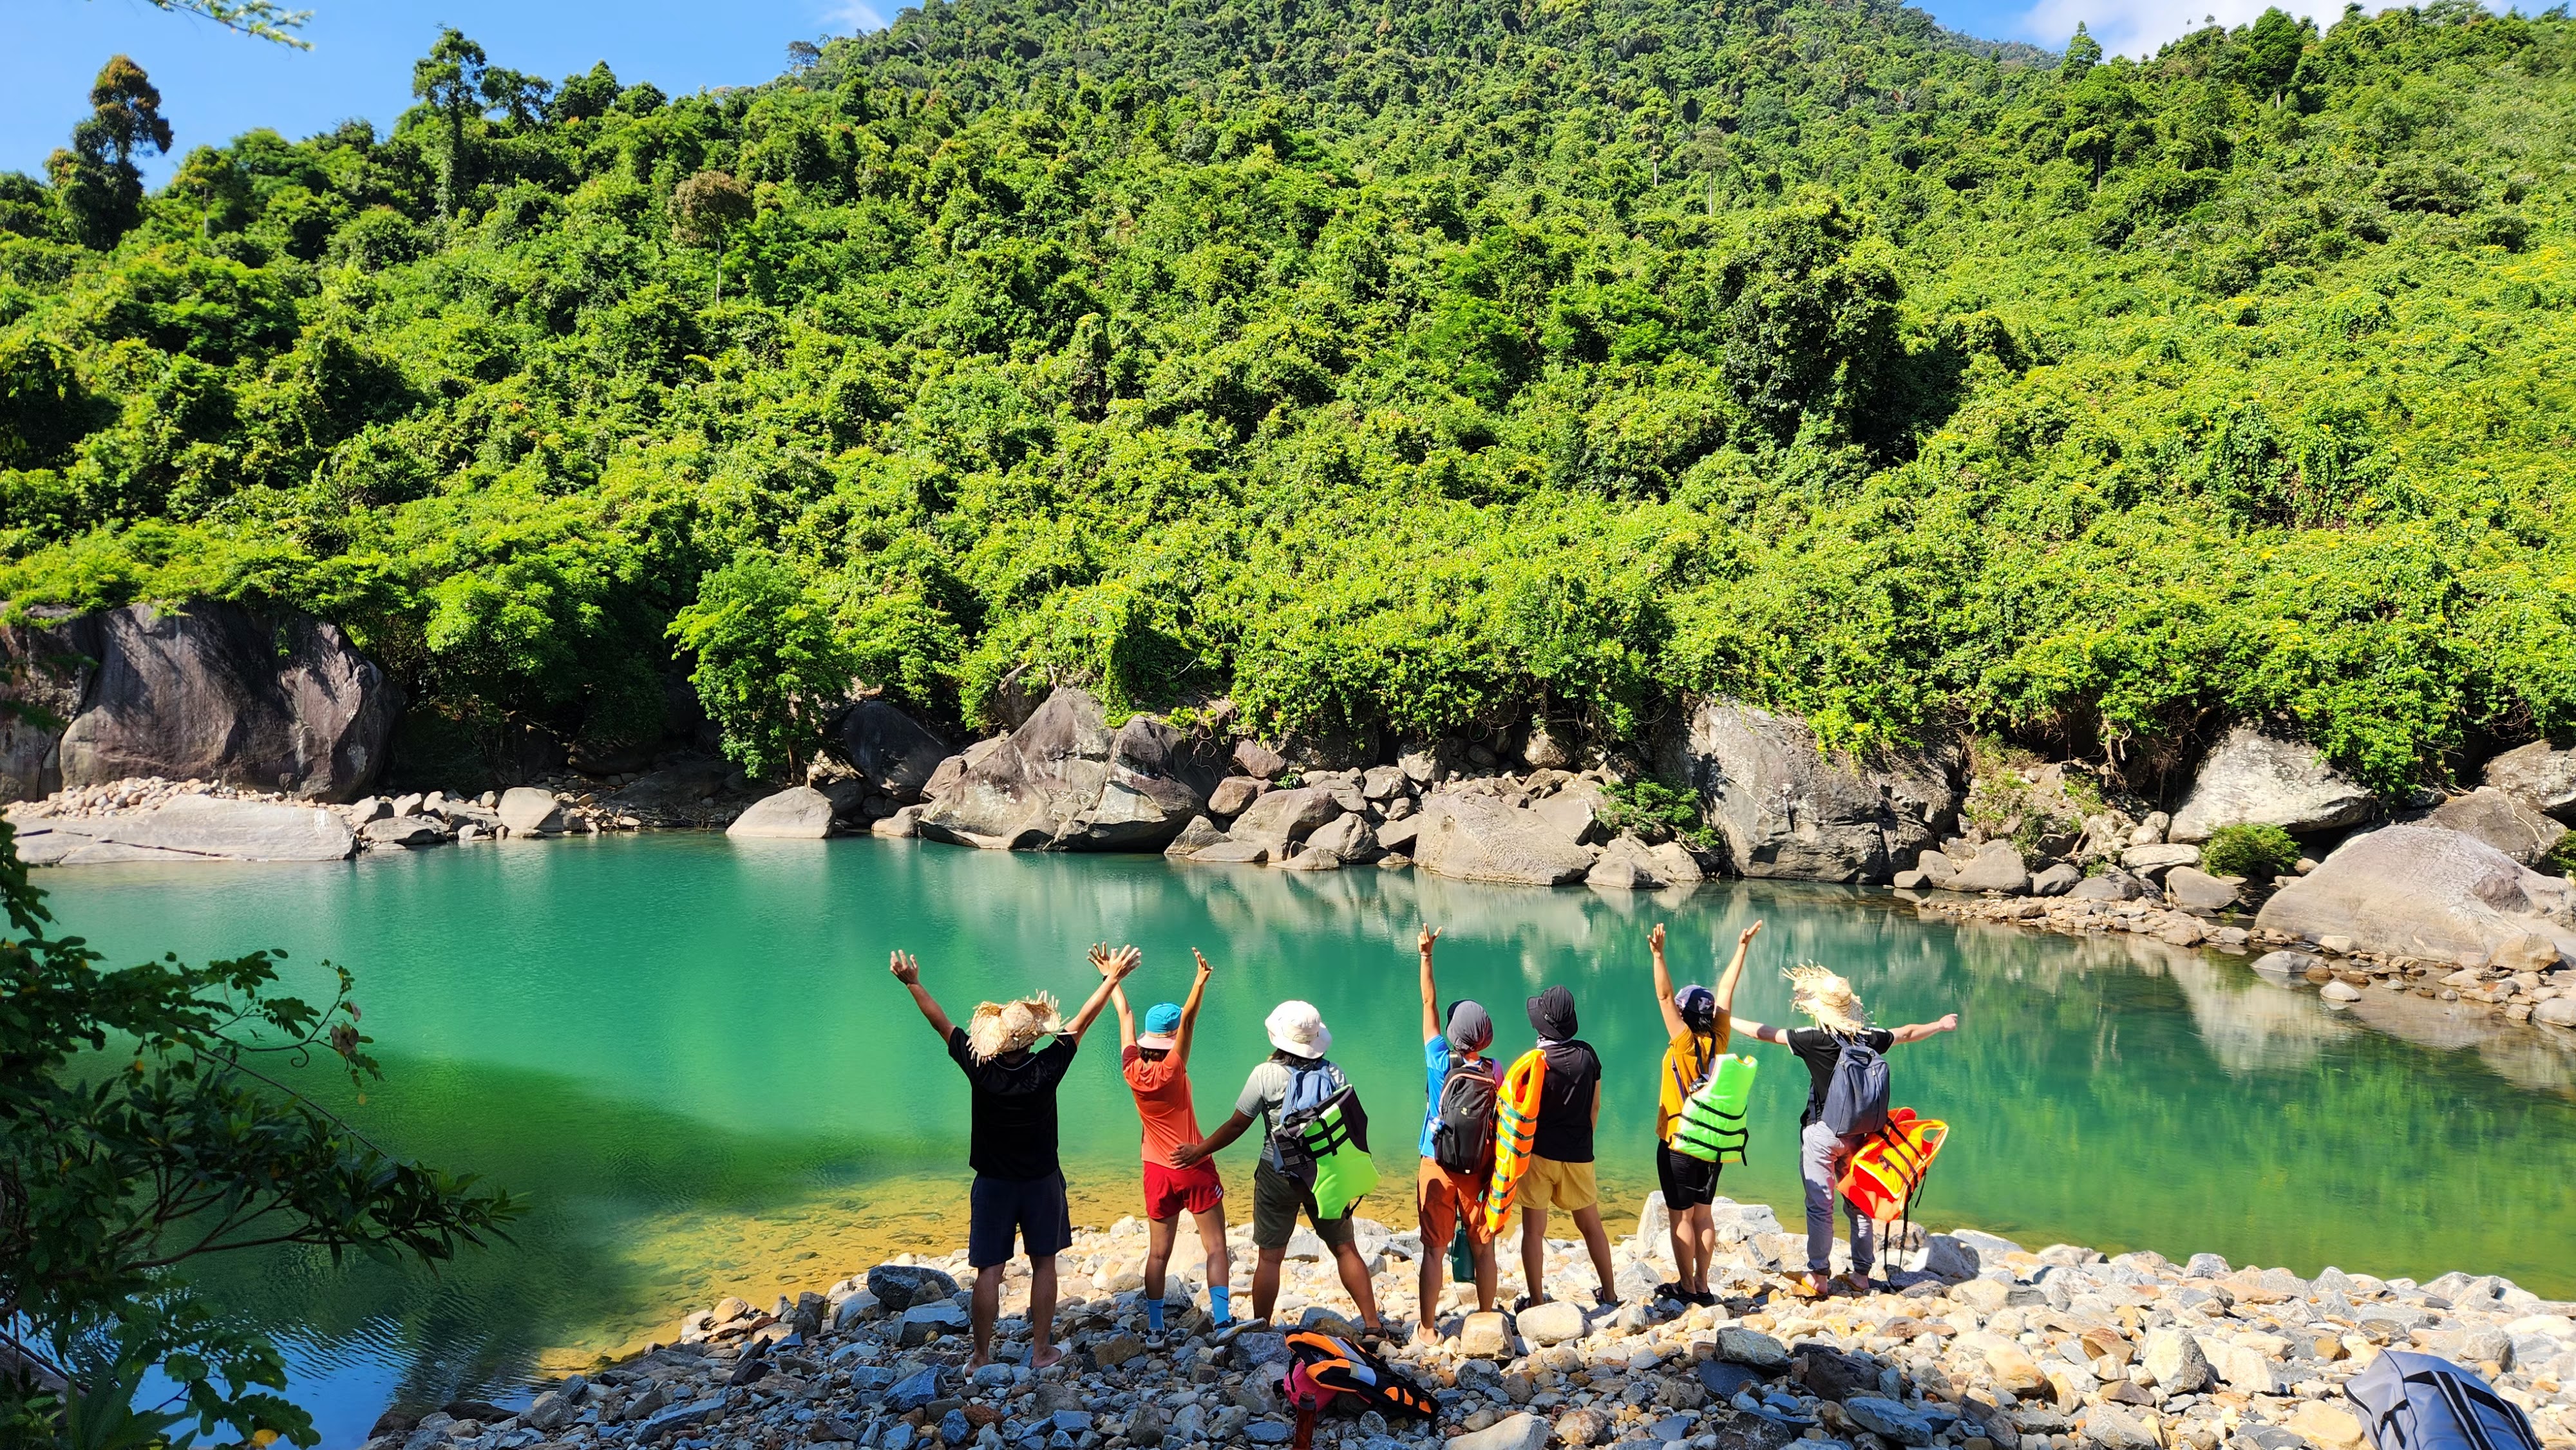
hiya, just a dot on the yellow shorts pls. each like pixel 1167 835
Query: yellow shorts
pixel 1564 1186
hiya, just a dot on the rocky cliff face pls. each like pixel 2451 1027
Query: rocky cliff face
pixel 269 701
pixel 1789 809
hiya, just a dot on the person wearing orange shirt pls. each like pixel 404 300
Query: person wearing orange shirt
pixel 1156 1064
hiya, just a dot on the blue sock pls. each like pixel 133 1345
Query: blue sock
pixel 1154 1315
pixel 1220 1299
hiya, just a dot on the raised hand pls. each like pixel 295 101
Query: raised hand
pixel 1121 962
pixel 1949 1023
pixel 1745 938
pixel 905 969
pixel 1655 939
pixel 1201 957
pixel 1099 955
pixel 1423 942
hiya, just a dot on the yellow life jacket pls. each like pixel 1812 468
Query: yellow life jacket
pixel 1515 1129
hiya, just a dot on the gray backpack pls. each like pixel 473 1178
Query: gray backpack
pixel 1856 1094
pixel 2414 1401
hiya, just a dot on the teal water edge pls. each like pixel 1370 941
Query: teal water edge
pixel 687 1051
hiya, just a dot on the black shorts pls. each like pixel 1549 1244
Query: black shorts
pixel 1687 1182
pixel 1031 1210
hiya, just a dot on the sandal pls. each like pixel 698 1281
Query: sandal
pixel 1673 1291
pixel 1808 1286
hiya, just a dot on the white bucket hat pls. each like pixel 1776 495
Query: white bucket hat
pixel 1298 1029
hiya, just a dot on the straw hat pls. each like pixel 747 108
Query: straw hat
pixel 1000 1027
pixel 1825 997
pixel 1297 1029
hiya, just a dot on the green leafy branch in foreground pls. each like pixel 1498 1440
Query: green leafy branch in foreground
pixel 263 19
pixel 144 1124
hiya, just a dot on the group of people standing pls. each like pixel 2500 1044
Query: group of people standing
pixel 1314 1135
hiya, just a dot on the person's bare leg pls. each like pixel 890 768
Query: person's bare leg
pixel 1488 1274
pixel 1042 1350
pixel 1265 1280
pixel 1355 1278
pixel 1703 1246
pixel 1587 1221
pixel 1426 1289
pixel 1220 1260
pixel 1682 1248
pixel 1534 1252
pixel 1159 1233
pixel 986 1307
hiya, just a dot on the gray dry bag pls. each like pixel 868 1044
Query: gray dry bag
pixel 2414 1401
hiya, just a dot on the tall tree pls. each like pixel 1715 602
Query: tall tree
pixel 95 179
pixel 450 80
pixel 704 211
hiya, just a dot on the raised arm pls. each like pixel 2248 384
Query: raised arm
pixel 1112 967
pixel 1190 1009
pixel 1430 989
pixel 1917 1031
pixel 1726 984
pixel 908 972
pixel 1760 1033
pixel 1126 1017
pixel 1214 1143
pixel 1673 1024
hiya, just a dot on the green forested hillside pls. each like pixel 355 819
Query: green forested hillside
pixel 1376 364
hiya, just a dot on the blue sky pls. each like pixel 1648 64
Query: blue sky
pixel 215 85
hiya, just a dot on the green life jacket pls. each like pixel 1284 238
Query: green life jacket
pixel 1334 1139
pixel 1711 1127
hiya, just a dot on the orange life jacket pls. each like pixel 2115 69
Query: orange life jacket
pixel 1886 1173
pixel 1515 1128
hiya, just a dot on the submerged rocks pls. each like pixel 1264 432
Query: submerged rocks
pixel 1787 808
pixel 2421 891
pixel 1065 781
pixel 268 701
pixel 2255 779
pixel 799 813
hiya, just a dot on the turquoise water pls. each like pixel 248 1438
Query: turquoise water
pixel 688 1053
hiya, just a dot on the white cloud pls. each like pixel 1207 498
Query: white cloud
pixel 844 17
pixel 2137 27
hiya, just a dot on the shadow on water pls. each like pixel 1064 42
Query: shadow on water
pixel 686 1052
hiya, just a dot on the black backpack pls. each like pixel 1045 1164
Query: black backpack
pixel 1462 1133
pixel 1856 1094
pixel 2414 1401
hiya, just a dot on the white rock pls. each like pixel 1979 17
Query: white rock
pixel 798 813
pixel 527 810
pixel 2254 779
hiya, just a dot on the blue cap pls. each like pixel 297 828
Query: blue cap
pixel 1161 1021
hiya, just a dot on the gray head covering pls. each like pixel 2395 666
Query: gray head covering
pixel 1470 1029
pixel 1698 1006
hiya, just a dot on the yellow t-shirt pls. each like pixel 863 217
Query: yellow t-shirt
pixel 1685 1059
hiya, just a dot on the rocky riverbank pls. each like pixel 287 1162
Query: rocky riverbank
pixel 1976 1344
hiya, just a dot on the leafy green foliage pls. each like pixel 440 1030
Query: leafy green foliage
pixel 770 666
pixel 2257 852
pixel 139 1131
pixel 1414 369
pixel 97 182
pixel 1657 811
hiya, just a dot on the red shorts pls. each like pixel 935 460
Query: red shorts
pixel 1168 1190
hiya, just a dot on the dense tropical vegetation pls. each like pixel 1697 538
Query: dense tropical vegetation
pixel 1410 368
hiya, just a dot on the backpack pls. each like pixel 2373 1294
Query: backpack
pixel 2412 1401
pixel 1856 1094
pixel 1462 1133
pixel 1309 1088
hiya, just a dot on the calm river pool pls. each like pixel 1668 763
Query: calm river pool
pixel 687 1052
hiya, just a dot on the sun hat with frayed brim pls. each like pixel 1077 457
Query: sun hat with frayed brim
pixel 1826 998
pixel 1297 1029
pixel 1000 1027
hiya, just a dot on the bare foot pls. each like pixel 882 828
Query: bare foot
pixel 1425 1337
pixel 1045 1356
pixel 977 1361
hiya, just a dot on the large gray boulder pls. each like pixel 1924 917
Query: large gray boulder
pixel 202 828
pixel 798 813
pixel 1788 808
pixel 1484 838
pixel 1284 818
pixel 2253 779
pixel 2422 891
pixel 2538 776
pixel 2501 819
pixel 895 752
pixel 269 701
pixel 1995 867
pixel 1066 782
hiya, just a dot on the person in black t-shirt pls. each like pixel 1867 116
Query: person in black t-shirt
pixel 1019 1186
pixel 1560 1168
pixel 1822 1153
